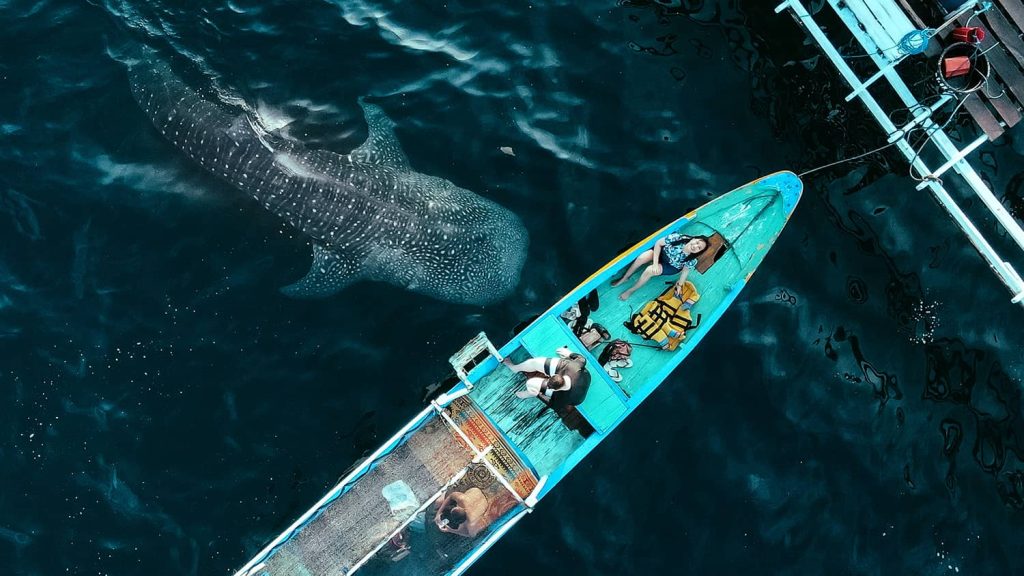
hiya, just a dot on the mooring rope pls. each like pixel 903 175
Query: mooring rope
pixel 929 133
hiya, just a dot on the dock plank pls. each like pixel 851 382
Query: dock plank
pixel 1002 63
pixel 984 117
pixel 1015 9
pixel 1007 33
pixel 910 12
pixel 1008 109
pixel 1007 70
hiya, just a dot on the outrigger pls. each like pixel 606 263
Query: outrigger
pixel 467 468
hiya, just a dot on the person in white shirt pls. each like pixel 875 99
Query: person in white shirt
pixel 548 375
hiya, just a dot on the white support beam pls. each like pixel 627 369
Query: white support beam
pixel 1003 270
pixel 939 138
pixel 851 78
pixel 954 160
pixel 867 83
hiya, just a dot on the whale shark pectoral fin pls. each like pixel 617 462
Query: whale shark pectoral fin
pixel 330 273
pixel 381 146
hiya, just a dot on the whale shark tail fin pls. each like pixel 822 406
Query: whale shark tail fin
pixel 331 272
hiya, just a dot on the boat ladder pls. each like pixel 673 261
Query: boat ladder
pixel 471 356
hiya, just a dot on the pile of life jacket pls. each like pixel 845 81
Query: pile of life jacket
pixel 666 319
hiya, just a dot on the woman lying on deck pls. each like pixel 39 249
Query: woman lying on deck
pixel 673 254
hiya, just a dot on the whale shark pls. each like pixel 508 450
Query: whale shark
pixel 369 215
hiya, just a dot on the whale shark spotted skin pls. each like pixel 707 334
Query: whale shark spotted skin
pixel 369 214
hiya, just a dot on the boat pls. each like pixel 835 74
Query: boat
pixel 448 485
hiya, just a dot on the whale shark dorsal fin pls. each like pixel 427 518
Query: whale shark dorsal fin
pixel 381 146
pixel 330 273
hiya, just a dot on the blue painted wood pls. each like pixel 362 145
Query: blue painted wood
pixel 592 361
pixel 602 405
pixel 535 432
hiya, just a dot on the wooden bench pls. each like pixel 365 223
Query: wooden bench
pixel 605 402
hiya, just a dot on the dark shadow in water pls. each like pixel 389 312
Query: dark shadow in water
pixel 968 378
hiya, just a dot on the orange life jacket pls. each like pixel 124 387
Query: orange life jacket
pixel 666 319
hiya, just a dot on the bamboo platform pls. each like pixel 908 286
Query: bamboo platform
pixel 884 29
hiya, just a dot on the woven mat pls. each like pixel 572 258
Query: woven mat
pixel 475 425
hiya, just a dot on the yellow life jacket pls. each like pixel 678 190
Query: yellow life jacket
pixel 666 319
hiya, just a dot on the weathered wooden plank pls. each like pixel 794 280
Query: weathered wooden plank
pixel 891 17
pixel 1003 65
pixel 912 14
pixel 875 38
pixel 1007 33
pixel 1014 9
pixel 1006 69
pixel 983 116
pixel 1009 110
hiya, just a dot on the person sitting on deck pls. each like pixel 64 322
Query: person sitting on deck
pixel 544 386
pixel 463 513
pixel 673 254
pixel 558 381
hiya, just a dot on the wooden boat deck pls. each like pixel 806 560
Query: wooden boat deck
pixel 539 433
pixel 605 401
pixel 647 361
pixel 551 444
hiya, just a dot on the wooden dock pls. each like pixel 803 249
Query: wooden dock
pixel 892 31
pixel 998 107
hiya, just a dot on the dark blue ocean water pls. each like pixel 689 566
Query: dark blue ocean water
pixel 165 411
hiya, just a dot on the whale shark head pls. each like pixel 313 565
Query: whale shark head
pixel 474 253
pixel 487 268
